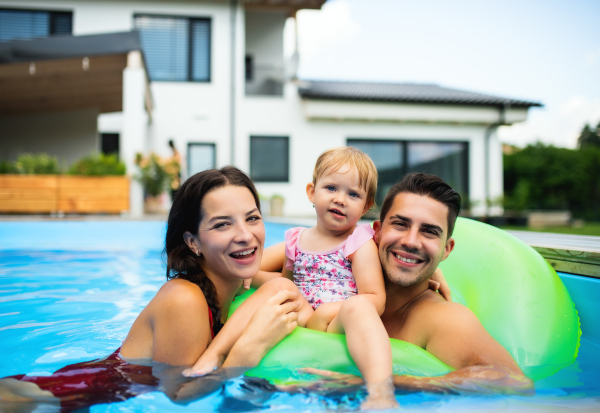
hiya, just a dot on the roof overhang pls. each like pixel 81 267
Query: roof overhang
pixel 287 6
pixel 65 73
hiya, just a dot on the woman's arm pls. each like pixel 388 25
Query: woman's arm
pixel 368 274
pixel 271 322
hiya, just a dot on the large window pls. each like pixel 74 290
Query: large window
pixel 201 156
pixel 176 48
pixel 269 158
pixel 394 159
pixel 31 24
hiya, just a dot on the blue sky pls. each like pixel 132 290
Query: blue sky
pixel 546 51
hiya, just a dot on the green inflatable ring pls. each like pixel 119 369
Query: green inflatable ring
pixel 514 292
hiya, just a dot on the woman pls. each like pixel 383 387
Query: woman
pixel 215 238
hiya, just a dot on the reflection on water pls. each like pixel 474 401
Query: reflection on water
pixel 64 307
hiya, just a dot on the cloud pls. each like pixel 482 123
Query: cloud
pixel 319 30
pixel 559 126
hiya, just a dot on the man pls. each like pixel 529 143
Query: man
pixel 414 235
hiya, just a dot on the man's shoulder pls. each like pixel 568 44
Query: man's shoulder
pixel 429 316
pixel 432 306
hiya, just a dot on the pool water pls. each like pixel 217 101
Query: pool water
pixel 69 292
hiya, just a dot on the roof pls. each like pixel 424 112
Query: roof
pixel 402 92
pixel 63 47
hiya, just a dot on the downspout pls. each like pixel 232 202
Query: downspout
pixel 488 135
pixel 233 15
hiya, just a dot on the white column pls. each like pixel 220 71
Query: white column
pixel 133 136
pixel 496 174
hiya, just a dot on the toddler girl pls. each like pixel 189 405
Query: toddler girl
pixel 336 267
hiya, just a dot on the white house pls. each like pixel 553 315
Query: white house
pixel 211 76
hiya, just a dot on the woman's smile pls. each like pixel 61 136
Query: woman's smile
pixel 231 234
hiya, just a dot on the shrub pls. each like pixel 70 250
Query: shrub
pixel 41 163
pixel 545 177
pixel 98 165
pixel 7 167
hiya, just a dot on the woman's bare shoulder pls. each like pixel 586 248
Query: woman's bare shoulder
pixel 180 292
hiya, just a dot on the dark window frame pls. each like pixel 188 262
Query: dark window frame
pixel 52 27
pixel 189 146
pixel 190 19
pixel 287 160
pixel 465 168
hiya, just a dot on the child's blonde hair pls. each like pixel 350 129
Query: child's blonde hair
pixel 347 155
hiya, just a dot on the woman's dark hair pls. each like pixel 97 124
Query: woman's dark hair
pixel 429 185
pixel 185 215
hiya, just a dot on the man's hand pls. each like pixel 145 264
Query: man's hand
pixel 472 379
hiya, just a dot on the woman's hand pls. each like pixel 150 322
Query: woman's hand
pixel 437 282
pixel 271 322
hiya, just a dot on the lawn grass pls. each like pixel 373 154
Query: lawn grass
pixel 589 228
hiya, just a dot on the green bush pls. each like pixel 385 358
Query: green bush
pixel 98 165
pixel 545 177
pixel 7 167
pixel 40 164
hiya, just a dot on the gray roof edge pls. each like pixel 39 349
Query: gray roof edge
pixel 307 91
pixel 62 47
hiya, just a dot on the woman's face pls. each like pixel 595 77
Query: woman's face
pixel 231 233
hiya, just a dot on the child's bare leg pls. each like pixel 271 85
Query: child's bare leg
pixel 218 349
pixel 369 346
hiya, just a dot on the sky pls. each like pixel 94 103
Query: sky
pixel 542 51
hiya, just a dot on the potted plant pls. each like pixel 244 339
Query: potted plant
pixel 155 180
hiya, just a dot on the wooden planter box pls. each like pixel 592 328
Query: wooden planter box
pixel 64 193
pixel 29 193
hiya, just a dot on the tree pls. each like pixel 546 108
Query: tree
pixel 589 138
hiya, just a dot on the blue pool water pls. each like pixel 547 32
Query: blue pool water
pixel 69 292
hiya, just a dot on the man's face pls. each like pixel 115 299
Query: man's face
pixel 413 238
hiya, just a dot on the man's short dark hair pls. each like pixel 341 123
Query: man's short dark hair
pixel 428 185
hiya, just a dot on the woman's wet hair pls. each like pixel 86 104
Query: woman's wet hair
pixel 433 186
pixel 185 215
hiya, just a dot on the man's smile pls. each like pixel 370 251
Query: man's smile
pixel 408 259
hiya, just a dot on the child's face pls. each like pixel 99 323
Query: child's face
pixel 339 199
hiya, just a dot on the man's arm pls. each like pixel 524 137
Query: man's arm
pixel 455 336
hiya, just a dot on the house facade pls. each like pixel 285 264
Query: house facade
pixel 211 77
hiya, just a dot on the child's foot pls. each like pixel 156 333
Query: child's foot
pixel 205 364
pixel 380 396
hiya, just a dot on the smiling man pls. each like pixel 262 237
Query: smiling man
pixel 414 235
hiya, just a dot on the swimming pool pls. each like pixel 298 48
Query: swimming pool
pixel 69 291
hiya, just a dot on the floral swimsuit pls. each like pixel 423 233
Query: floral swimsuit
pixel 325 276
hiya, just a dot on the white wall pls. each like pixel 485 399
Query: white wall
pixel 67 135
pixel 309 138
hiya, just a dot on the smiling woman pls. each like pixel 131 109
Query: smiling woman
pixel 215 238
